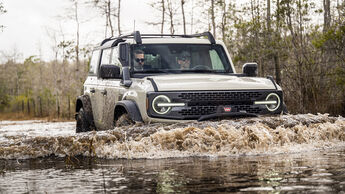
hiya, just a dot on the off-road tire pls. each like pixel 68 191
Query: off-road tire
pixel 83 124
pixel 124 120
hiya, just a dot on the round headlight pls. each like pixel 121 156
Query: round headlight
pixel 273 97
pixel 160 109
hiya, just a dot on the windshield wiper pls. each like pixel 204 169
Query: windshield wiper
pixel 201 71
pixel 178 71
pixel 158 71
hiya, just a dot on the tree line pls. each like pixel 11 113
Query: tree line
pixel 301 43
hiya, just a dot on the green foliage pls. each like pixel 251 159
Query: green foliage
pixel 17 103
pixel 308 57
pixel 4 98
pixel 37 88
pixel 320 41
pixel 340 76
pixel 32 60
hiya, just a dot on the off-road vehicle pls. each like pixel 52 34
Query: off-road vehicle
pixel 170 78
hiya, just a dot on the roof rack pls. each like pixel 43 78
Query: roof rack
pixel 208 34
pixel 137 37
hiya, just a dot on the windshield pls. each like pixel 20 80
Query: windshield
pixel 165 58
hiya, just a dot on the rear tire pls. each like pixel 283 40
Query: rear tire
pixel 83 124
pixel 124 120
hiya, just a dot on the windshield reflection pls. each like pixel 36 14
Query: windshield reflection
pixel 179 58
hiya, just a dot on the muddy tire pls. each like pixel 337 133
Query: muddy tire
pixel 124 120
pixel 83 124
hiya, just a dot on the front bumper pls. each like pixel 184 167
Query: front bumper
pixel 201 105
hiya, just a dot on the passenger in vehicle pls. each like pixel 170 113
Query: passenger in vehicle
pixel 184 60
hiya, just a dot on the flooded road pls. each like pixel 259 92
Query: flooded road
pixel 317 171
pixel 289 153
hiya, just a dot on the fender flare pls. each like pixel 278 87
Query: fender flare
pixel 131 108
pixel 84 102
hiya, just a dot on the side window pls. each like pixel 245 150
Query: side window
pixel 106 55
pixel 216 61
pixel 94 62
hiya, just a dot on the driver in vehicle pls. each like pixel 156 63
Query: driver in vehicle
pixel 139 60
pixel 184 60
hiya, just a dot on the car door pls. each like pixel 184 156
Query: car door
pixel 114 93
pixel 91 85
pixel 100 93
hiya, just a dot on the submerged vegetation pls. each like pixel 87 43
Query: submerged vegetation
pixel 300 42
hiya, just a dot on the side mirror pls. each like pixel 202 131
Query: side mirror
pixel 110 72
pixel 250 69
pixel 124 59
pixel 124 53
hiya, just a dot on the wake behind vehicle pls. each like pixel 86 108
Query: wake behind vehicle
pixel 170 78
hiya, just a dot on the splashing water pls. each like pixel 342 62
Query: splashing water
pixel 246 136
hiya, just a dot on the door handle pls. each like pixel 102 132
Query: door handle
pixel 104 92
pixel 92 90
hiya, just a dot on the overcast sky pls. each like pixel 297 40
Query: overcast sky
pixel 29 23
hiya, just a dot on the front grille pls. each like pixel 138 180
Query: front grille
pixel 198 110
pixel 207 110
pixel 219 96
pixel 205 103
pixel 247 108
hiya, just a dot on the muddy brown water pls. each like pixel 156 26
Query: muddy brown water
pixel 289 153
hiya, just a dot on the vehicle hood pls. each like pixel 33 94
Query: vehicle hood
pixel 178 82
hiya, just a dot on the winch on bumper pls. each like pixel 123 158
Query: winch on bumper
pixel 204 105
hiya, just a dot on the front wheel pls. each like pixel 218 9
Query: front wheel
pixel 124 120
pixel 83 125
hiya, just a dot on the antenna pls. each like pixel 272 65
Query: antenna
pixel 191 26
pixel 134 26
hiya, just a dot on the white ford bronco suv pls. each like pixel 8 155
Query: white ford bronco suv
pixel 170 78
